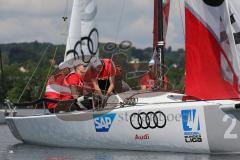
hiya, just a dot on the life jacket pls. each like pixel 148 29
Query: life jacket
pixel 52 92
pixel 55 88
pixel 71 79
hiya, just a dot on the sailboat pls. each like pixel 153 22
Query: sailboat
pixel 203 120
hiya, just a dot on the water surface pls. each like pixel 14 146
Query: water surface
pixel 12 149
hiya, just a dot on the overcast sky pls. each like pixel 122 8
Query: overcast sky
pixel 29 20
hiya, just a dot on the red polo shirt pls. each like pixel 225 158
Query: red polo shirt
pixel 108 70
pixel 75 79
pixel 147 81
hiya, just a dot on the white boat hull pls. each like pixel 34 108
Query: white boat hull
pixel 196 127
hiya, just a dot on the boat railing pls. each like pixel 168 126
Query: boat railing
pixel 10 110
pixel 114 101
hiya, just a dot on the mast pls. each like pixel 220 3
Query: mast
pixel 160 44
pixel 158 41
pixel 155 24
pixel 2 81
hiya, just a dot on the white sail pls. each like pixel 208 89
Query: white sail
pixel 82 42
pixel 234 29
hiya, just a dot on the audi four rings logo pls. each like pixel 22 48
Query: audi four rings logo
pixel 148 120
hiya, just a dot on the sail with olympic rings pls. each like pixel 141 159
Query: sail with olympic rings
pixel 82 42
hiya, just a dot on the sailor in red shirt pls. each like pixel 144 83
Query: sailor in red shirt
pixel 148 80
pixel 100 76
pixel 75 80
pixel 54 87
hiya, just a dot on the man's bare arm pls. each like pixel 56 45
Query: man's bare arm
pixel 112 85
pixel 96 87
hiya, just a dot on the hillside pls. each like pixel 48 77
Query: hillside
pixel 21 59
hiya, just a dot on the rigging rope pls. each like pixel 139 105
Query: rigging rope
pixel 65 14
pixel 119 21
pixel 43 55
pixel 117 32
pixel 65 26
pixel 49 72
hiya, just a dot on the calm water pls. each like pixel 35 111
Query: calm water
pixel 12 149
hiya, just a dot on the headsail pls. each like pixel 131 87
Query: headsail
pixel 82 42
pixel 212 44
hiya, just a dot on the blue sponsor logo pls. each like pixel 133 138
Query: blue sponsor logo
pixel 191 126
pixel 190 120
pixel 103 122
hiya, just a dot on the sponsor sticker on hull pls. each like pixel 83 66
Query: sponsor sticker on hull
pixel 191 126
pixel 103 122
pixel 142 137
pixel 149 120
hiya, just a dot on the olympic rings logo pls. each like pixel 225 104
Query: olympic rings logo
pixel 89 40
pixel 113 48
pixel 148 120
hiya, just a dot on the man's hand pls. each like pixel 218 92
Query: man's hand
pixel 80 99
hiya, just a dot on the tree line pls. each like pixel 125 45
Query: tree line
pixel 20 61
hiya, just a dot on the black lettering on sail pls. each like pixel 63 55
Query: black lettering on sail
pixel 213 3
pixel 232 19
pixel 237 37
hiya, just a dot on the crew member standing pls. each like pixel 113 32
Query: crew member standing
pixel 148 80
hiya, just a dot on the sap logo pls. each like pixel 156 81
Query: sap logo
pixel 190 120
pixel 103 122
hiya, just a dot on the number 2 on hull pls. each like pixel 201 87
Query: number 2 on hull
pixel 228 133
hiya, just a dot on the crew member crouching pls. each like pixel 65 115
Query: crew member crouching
pixel 99 78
